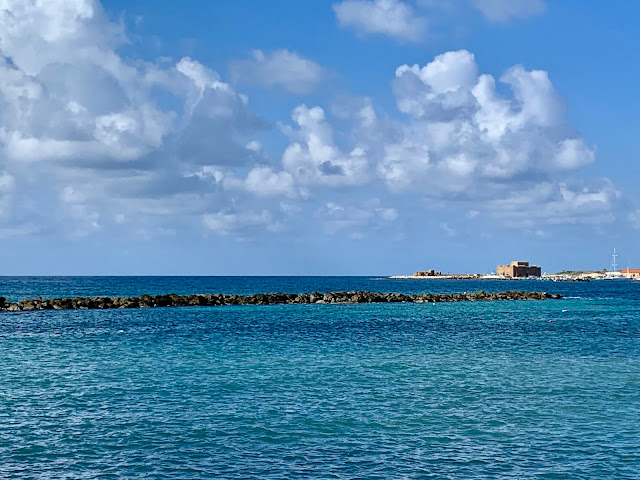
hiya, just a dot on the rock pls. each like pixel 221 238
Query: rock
pixel 173 300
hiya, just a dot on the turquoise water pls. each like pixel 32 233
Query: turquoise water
pixel 473 390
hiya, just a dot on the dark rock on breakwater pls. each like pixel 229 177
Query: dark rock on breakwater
pixel 209 299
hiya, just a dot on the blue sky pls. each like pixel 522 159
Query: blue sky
pixel 316 138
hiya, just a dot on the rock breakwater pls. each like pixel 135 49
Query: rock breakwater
pixel 218 299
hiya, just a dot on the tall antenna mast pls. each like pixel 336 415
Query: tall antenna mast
pixel 614 265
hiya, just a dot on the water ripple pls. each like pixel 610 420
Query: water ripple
pixel 478 391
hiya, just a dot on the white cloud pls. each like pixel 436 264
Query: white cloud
pixel 572 154
pixel 222 223
pixel 55 57
pixel 92 121
pixel 450 232
pixel 461 140
pixel 393 18
pixel 264 182
pixel 387 214
pixel 100 141
pixel 254 145
pixel 355 218
pixel 279 68
pixel 86 219
pixel 201 76
pixel 404 164
pixel 504 10
pixel 447 79
pixel 313 158
pixel 557 203
pixel 461 133
pixel 36 33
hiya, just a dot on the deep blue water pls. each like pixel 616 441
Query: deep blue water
pixel 472 390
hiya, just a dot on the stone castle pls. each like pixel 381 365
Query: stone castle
pixel 519 270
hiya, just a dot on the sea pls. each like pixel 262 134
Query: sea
pixel 471 390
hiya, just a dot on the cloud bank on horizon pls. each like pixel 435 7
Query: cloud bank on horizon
pixel 96 143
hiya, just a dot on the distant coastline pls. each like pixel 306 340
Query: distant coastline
pixel 521 270
pixel 462 276
pixel 565 276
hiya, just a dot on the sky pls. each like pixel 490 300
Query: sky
pixel 344 137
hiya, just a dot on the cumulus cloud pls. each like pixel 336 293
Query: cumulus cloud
pixel 279 68
pixel 90 119
pixel 461 140
pixel 216 119
pixel 392 18
pixel 91 141
pixel 262 181
pixel 462 135
pixel 36 34
pixel 404 164
pixel 55 56
pixel 504 10
pixel 313 157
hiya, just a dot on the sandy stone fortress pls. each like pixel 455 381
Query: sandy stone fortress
pixel 511 270
pixel 519 270
pixel 523 270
